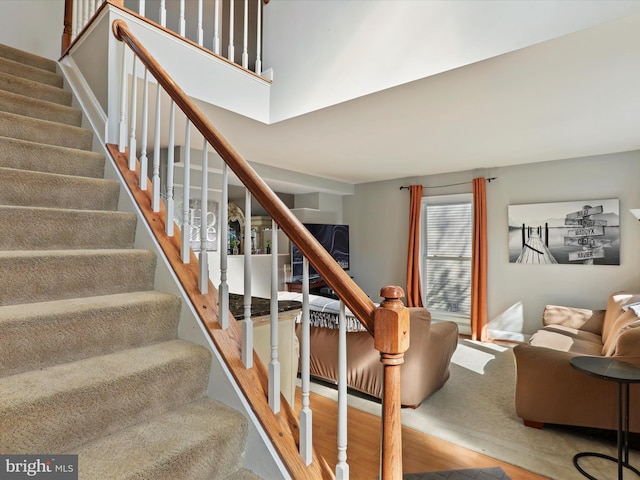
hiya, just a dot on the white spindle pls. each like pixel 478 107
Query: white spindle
pixel 186 186
pixel 122 130
pixel 133 114
pixel 170 204
pixel 77 18
pixel 216 27
pixel 144 161
pixel 200 30
pixel 274 364
pixel 247 323
pixel 258 68
pixel 245 36
pixel 306 431
pixel 231 55
pixel 342 467
pixel 203 276
pixel 94 7
pixel 85 13
pixel 182 21
pixel 163 13
pixel 142 7
pixel 224 249
pixel 155 178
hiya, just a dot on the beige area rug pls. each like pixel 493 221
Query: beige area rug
pixel 475 409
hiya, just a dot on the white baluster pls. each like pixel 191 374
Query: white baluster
pixel 203 276
pixel 342 467
pixel 185 245
pixel 258 68
pixel 245 37
pixel 155 178
pixel 247 322
pixel 94 7
pixel 85 13
pixel 182 21
pixel 133 114
pixel 231 55
pixel 77 19
pixel 144 161
pixel 200 30
pixel 306 431
pixel 274 364
pixel 224 248
pixel 122 133
pixel 170 162
pixel 163 13
pixel 216 27
pixel 142 7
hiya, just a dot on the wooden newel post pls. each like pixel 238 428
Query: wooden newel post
pixel 67 31
pixel 391 339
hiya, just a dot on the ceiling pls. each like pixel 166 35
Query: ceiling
pixel 572 96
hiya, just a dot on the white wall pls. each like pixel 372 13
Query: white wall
pixel 324 52
pixel 33 25
pixel 379 219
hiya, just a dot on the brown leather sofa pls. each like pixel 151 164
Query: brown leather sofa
pixel 550 390
pixel 426 367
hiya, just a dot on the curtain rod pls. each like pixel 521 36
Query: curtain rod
pixel 449 185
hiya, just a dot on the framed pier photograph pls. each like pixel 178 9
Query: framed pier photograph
pixel 585 232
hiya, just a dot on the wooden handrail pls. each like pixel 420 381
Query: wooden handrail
pixel 354 298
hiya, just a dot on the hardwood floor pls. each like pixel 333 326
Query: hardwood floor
pixel 421 453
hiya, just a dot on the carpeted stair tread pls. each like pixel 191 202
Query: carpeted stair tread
pixel 27 58
pixel 30 72
pixel 37 189
pixel 32 107
pixel 44 131
pixel 41 91
pixel 39 276
pixel 38 335
pixel 59 408
pixel 202 440
pixel 26 155
pixel 243 474
pixel 38 228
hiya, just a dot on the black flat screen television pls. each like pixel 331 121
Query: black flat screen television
pixel 335 240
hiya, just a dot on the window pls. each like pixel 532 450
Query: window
pixel 447 238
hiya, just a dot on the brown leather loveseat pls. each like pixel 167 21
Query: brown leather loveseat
pixel 426 366
pixel 550 390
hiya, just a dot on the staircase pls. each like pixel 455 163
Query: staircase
pixel 90 362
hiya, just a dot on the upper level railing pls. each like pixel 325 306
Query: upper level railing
pixel 232 29
pixel 389 323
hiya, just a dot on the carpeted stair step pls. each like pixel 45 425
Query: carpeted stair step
pixel 202 440
pixel 78 402
pixel 32 107
pixel 27 58
pixel 29 228
pixel 30 72
pixel 37 189
pixel 44 131
pixel 39 335
pixel 40 276
pixel 42 91
pixel 39 157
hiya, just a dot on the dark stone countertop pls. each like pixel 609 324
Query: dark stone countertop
pixel 259 306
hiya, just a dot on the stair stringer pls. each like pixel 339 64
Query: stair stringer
pixel 260 456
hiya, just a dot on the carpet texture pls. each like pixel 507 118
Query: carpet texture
pixel 91 362
pixel 475 409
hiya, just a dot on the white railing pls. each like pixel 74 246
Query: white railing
pixel 134 124
pixel 199 21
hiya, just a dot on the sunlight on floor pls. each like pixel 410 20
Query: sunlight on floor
pixel 474 355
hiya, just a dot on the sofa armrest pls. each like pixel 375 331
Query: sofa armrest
pixel 628 343
pixel 578 318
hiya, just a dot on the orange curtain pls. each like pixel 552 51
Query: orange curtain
pixel 479 261
pixel 414 285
